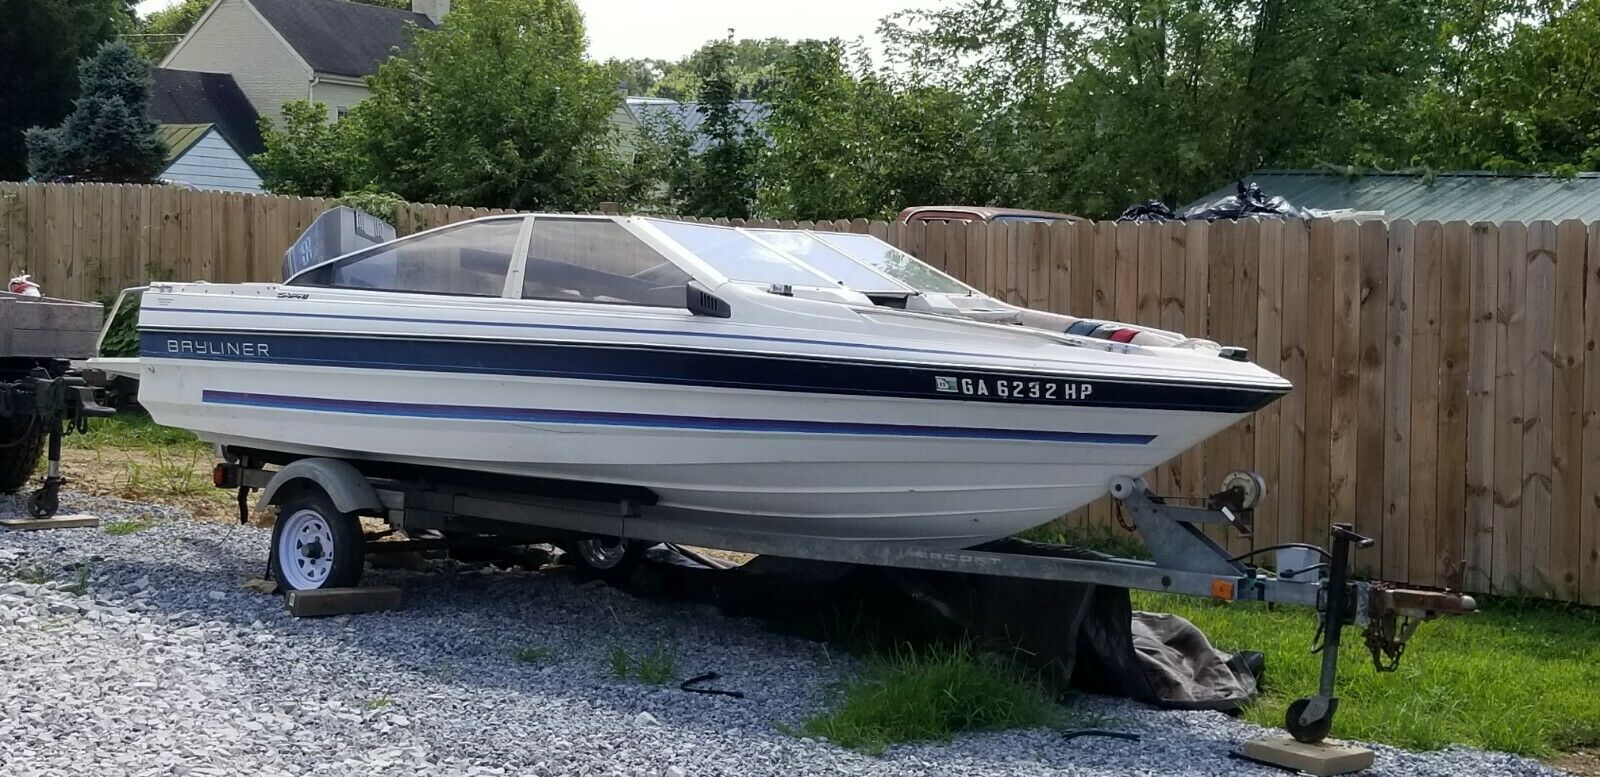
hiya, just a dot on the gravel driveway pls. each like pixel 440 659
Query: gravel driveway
pixel 166 665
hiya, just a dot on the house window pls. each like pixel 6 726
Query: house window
pixel 342 112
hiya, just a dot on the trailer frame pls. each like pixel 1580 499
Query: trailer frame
pixel 1186 561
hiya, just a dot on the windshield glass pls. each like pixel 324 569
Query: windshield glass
pixel 895 263
pixel 737 255
pixel 598 260
pixel 807 248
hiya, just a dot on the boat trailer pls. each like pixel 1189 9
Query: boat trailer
pixel 42 397
pixel 441 504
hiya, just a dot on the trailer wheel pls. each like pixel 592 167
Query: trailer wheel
pixel 611 559
pixel 314 545
pixel 21 442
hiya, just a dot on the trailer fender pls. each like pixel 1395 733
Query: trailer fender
pixel 348 488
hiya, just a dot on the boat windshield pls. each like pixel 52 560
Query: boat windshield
pixel 806 247
pixel 895 263
pixel 737 255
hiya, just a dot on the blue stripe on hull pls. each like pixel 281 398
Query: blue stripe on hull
pixel 653 421
pixel 692 367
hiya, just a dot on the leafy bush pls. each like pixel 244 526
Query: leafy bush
pixel 122 339
pixel 384 205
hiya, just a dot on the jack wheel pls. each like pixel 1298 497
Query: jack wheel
pixel 1313 732
pixel 43 503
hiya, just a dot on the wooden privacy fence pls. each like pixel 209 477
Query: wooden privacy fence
pixel 1447 393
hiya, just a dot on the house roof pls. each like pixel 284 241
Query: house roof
pixel 191 98
pixel 688 116
pixel 1454 196
pixel 179 138
pixel 340 37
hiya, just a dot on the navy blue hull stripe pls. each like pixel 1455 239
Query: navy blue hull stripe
pixel 654 421
pixel 578 328
pixel 691 367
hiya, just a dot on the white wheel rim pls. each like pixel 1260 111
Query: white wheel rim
pixel 305 550
pixel 603 554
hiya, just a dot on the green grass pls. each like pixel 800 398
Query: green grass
pixel 532 654
pixel 931 694
pixel 31 575
pixel 658 667
pixel 379 703
pixel 1105 539
pixel 1521 676
pixel 130 526
pixel 134 429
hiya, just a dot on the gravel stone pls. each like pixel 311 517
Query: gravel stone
pixel 155 670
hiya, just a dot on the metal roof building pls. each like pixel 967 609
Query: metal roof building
pixel 1458 196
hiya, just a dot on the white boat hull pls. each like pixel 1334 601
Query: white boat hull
pixel 856 467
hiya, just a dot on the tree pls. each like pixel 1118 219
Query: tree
pixel 307 156
pixel 726 187
pixel 109 135
pixel 751 65
pixel 1093 104
pixel 848 141
pixel 496 107
pixel 161 30
pixel 42 41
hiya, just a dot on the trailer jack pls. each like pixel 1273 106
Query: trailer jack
pixel 63 402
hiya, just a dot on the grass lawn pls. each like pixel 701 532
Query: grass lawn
pixel 1521 676
pixel 132 457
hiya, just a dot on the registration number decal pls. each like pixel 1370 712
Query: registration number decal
pixel 1007 388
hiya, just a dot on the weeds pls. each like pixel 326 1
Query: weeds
pixel 129 526
pixel 532 654
pixel 932 693
pixel 80 585
pixel 657 667
pixel 1104 539
pixel 31 575
pixel 379 703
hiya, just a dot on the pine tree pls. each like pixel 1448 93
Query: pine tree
pixel 109 135
pixel 724 185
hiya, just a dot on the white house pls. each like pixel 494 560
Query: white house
pixel 282 50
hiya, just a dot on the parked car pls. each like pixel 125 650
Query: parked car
pixel 980 213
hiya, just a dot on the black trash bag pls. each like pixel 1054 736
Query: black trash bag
pixel 1149 210
pixel 1249 201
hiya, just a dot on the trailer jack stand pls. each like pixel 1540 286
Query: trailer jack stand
pixel 64 402
pixel 1389 615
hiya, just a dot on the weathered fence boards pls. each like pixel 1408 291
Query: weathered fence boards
pixel 1448 391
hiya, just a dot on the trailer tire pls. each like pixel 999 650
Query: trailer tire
pixel 21 442
pixel 314 545
pixel 611 559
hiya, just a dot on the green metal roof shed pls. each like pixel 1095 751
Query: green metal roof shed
pixel 1458 196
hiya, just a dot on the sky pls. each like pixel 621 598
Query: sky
pixel 669 29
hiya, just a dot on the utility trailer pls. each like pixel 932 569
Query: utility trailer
pixel 318 542
pixel 41 396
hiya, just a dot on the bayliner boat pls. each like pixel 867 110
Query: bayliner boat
pixel 800 383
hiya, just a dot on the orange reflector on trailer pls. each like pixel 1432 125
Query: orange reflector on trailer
pixel 1222 589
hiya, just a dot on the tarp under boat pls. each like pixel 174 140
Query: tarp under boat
pixel 1078 635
